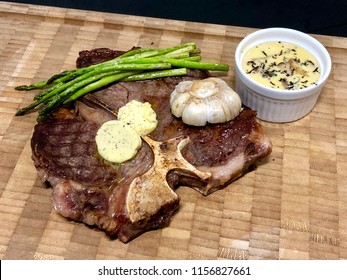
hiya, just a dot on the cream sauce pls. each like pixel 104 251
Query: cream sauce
pixel 281 65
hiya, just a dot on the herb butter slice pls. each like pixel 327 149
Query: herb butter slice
pixel 139 116
pixel 117 142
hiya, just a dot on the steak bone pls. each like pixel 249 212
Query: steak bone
pixel 151 191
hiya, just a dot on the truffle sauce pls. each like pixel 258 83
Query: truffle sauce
pixel 281 65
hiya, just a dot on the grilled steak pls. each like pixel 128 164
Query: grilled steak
pixel 127 199
pixel 95 56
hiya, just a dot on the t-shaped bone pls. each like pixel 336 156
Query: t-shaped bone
pixel 149 192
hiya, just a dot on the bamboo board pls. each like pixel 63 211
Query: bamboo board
pixel 293 206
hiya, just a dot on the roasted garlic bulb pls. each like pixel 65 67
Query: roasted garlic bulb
pixel 205 101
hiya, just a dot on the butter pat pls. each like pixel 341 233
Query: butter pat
pixel 281 65
pixel 139 116
pixel 117 142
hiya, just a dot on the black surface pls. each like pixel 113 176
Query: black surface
pixel 317 16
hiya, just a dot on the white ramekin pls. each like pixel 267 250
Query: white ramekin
pixel 275 105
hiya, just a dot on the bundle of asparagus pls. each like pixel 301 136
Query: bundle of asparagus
pixel 137 64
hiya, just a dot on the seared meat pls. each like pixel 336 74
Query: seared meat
pixel 67 149
pixel 127 199
pixel 95 56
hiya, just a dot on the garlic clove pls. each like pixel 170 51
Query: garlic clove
pixel 233 102
pixel 178 103
pixel 231 105
pixel 184 86
pixel 215 110
pixel 195 113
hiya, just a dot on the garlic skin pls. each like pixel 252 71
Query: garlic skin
pixel 205 101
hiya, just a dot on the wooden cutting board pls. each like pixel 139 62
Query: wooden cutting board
pixel 293 206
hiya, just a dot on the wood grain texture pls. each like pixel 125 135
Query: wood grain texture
pixel 293 206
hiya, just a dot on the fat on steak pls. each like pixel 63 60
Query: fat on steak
pixel 128 199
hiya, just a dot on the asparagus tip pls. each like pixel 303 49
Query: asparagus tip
pixel 22 87
pixel 20 112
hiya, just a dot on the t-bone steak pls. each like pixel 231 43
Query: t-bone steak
pixel 128 199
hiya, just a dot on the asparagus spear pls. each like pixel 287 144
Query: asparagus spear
pixel 130 56
pixel 70 94
pixel 156 74
pixel 126 77
pixel 32 86
pixel 137 64
pixel 87 78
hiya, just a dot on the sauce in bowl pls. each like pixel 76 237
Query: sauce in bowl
pixel 281 65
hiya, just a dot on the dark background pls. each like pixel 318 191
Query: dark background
pixel 315 16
